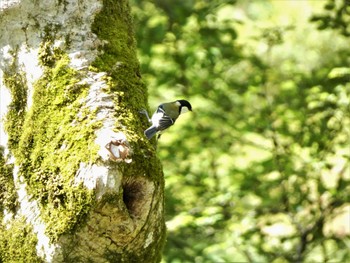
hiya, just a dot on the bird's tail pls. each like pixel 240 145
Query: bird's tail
pixel 150 132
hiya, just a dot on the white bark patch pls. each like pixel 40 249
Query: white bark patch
pixel 98 177
pixel 30 210
pixel 5 99
pixel 148 240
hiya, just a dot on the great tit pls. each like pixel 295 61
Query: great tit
pixel 165 116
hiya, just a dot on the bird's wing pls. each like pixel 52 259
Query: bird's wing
pixel 165 122
pixel 161 120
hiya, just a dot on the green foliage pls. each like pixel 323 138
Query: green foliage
pixel 336 16
pixel 260 171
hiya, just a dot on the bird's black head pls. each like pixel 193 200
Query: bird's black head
pixel 185 103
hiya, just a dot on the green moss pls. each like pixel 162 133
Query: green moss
pixel 17 243
pixel 110 198
pixel 57 134
pixel 114 25
pixel 53 138
pixel 57 137
pixel 8 194
pixel 118 58
pixel 15 81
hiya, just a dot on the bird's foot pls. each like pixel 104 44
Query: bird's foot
pixel 143 111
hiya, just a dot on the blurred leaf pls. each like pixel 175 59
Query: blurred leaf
pixel 252 175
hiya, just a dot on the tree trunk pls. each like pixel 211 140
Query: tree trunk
pixel 79 182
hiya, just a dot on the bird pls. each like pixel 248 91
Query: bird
pixel 165 116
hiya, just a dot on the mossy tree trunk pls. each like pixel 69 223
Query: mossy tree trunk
pixel 79 182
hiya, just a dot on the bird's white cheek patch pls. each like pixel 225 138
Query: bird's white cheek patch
pixel 184 110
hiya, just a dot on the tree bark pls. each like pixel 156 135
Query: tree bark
pixel 79 181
